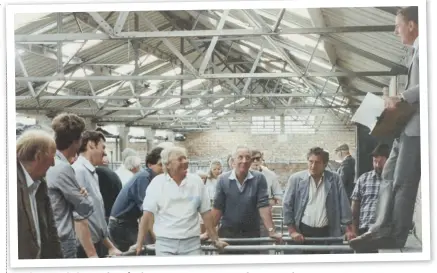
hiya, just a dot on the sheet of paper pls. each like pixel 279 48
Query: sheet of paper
pixel 370 109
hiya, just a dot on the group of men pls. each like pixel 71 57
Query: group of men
pixel 61 212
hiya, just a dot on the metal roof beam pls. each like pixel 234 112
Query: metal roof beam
pixel 63 37
pixel 209 76
pixel 178 107
pixel 212 96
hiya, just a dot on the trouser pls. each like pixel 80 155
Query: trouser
pixel 361 231
pixel 100 250
pixel 123 233
pixel 69 248
pixel 308 231
pixel 398 191
pixel 170 247
pixel 224 232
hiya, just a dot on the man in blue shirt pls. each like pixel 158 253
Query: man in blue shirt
pixel 127 208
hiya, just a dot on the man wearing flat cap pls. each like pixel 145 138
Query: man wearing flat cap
pixel 365 194
pixel 347 168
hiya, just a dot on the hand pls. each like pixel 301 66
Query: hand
pixel 83 192
pixel 350 235
pixel 276 236
pixel 113 251
pixel 272 202
pixel 138 249
pixel 220 245
pixel 296 236
pixel 204 236
pixel 390 102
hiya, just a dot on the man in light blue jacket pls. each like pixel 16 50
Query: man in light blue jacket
pixel 316 204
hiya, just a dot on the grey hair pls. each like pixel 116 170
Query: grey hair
pixel 128 152
pixel 241 147
pixel 132 162
pixel 32 142
pixel 168 152
pixel 201 173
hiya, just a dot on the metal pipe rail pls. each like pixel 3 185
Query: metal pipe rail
pixel 285 239
pixel 276 248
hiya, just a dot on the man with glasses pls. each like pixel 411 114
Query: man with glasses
pixel 127 208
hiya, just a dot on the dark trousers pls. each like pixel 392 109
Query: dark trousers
pixel 124 233
pixel 235 233
pixel 361 231
pixel 397 193
pixel 100 250
pixel 308 231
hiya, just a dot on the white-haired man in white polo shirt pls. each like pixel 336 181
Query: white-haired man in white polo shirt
pixel 173 202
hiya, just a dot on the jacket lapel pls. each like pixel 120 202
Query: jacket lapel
pixel 413 53
pixel 327 183
pixel 25 199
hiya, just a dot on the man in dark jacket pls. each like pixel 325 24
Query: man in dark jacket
pixel 346 169
pixel 37 234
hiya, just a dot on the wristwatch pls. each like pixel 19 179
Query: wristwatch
pixel 271 229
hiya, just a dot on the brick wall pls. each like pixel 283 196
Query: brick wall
pixel 285 156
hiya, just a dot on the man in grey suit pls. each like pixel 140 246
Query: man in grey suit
pixel 346 169
pixel 401 174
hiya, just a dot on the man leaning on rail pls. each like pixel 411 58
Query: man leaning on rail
pixel 173 202
pixel 316 204
pixel 240 201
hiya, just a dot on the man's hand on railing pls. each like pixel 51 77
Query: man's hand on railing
pixel 349 235
pixel 219 244
pixel 296 236
pixel 204 236
pixel 276 236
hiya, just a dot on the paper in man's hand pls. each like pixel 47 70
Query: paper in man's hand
pixel 370 110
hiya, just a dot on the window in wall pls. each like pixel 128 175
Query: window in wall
pixel 266 125
pixel 301 125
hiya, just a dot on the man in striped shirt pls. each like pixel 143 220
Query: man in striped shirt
pixel 365 194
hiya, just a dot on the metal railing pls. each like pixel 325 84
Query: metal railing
pixel 327 244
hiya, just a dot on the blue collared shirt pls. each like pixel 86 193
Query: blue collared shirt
pixel 129 202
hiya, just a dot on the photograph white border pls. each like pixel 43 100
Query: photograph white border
pixel 211 260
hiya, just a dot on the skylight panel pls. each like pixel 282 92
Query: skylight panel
pixel 204 112
pixel 218 101
pixel 168 103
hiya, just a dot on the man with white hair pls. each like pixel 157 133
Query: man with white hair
pixel 123 172
pixel 173 202
pixel 37 234
pixel 241 199
pixel 133 165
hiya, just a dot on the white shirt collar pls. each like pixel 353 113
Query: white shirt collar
pixel 233 176
pixel 29 180
pixel 86 163
pixel 416 43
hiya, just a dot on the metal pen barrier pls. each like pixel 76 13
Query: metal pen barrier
pixel 285 239
pixel 338 245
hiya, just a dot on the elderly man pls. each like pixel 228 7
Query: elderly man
pixel 92 152
pixel 316 204
pixel 347 168
pixel 402 171
pixel 124 172
pixel 67 197
pixel 241 200
pixel 173 201
pixel 37 235
pixel 128 207
pixel 365 194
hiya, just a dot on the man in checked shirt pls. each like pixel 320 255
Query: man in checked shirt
pixel 365 194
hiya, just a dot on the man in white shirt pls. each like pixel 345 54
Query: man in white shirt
pixel 173 202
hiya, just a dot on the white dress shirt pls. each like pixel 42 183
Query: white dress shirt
pixel 33 188
pixel 315 212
